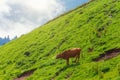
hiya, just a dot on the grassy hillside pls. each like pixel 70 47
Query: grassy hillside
pixel 93 26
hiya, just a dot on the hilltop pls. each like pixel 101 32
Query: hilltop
pixel 94 27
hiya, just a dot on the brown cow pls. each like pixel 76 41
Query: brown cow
pixel 75 52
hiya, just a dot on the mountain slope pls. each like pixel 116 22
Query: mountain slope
pixel 94 28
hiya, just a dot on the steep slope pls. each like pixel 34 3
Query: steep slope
pixel 93 27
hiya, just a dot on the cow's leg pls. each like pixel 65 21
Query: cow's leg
pixel 75 59
pixel 78 56
pixel 67 61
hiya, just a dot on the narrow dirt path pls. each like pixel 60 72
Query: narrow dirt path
pixel 24 75
pixel 108 55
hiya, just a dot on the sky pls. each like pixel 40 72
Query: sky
pixel 19 17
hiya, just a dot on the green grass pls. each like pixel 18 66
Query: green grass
pixel 95 25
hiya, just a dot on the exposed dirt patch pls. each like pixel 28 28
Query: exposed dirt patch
pixel 24 75
pixel 108 55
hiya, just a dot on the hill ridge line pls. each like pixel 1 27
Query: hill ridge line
pixel 70 11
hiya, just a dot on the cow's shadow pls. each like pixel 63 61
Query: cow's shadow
pixel 64 68
pixel 69 66
pixel 72 65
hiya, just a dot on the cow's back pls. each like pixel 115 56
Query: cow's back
pixel 72 52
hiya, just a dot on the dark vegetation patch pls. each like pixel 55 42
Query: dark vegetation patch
pixel 24 75
pixel 90 49
pixel 27 53
pixel 106 69
pixel 66 21
pixel 108 55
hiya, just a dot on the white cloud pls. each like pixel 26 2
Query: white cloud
pixel 21 16
pixel 4 8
